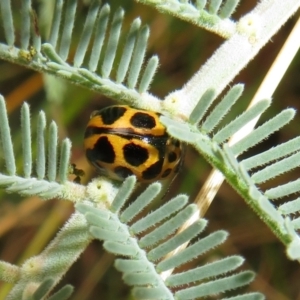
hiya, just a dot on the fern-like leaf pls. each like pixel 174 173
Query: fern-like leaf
pixel 42 290
pixel 211 15
pixel 44 182
pixel 95 55
pixel 116 226
pixel 147 256
pixel 63 294
pixel 6 16
pixel 210 141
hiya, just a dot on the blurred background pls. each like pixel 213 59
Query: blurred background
pixel 28 224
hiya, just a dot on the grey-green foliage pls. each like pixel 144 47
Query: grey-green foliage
pixel 93 69
pixel 64 293
pixel 47 268
pixel 146 257
pixel 211 141
pixel 95 55
pixel 212 15
pixel 97 22
pixel 42 183
pixel 118 227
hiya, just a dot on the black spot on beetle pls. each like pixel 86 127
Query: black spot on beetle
pixel 111 114
pixel 134 154
pixel 172 157
pixel 123 172
pixel 143 120
pixel 153 171
pixel 159 143
pixel 166 173
pixel 102 151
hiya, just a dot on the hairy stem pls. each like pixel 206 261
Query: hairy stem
pixel 55 260
pixel 254 30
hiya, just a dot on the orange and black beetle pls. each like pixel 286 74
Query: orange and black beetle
pixel 121 141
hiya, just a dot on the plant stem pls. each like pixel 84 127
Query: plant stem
pixel 56 259
pixel 254 30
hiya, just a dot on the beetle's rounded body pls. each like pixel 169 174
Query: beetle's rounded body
pixel 121 141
